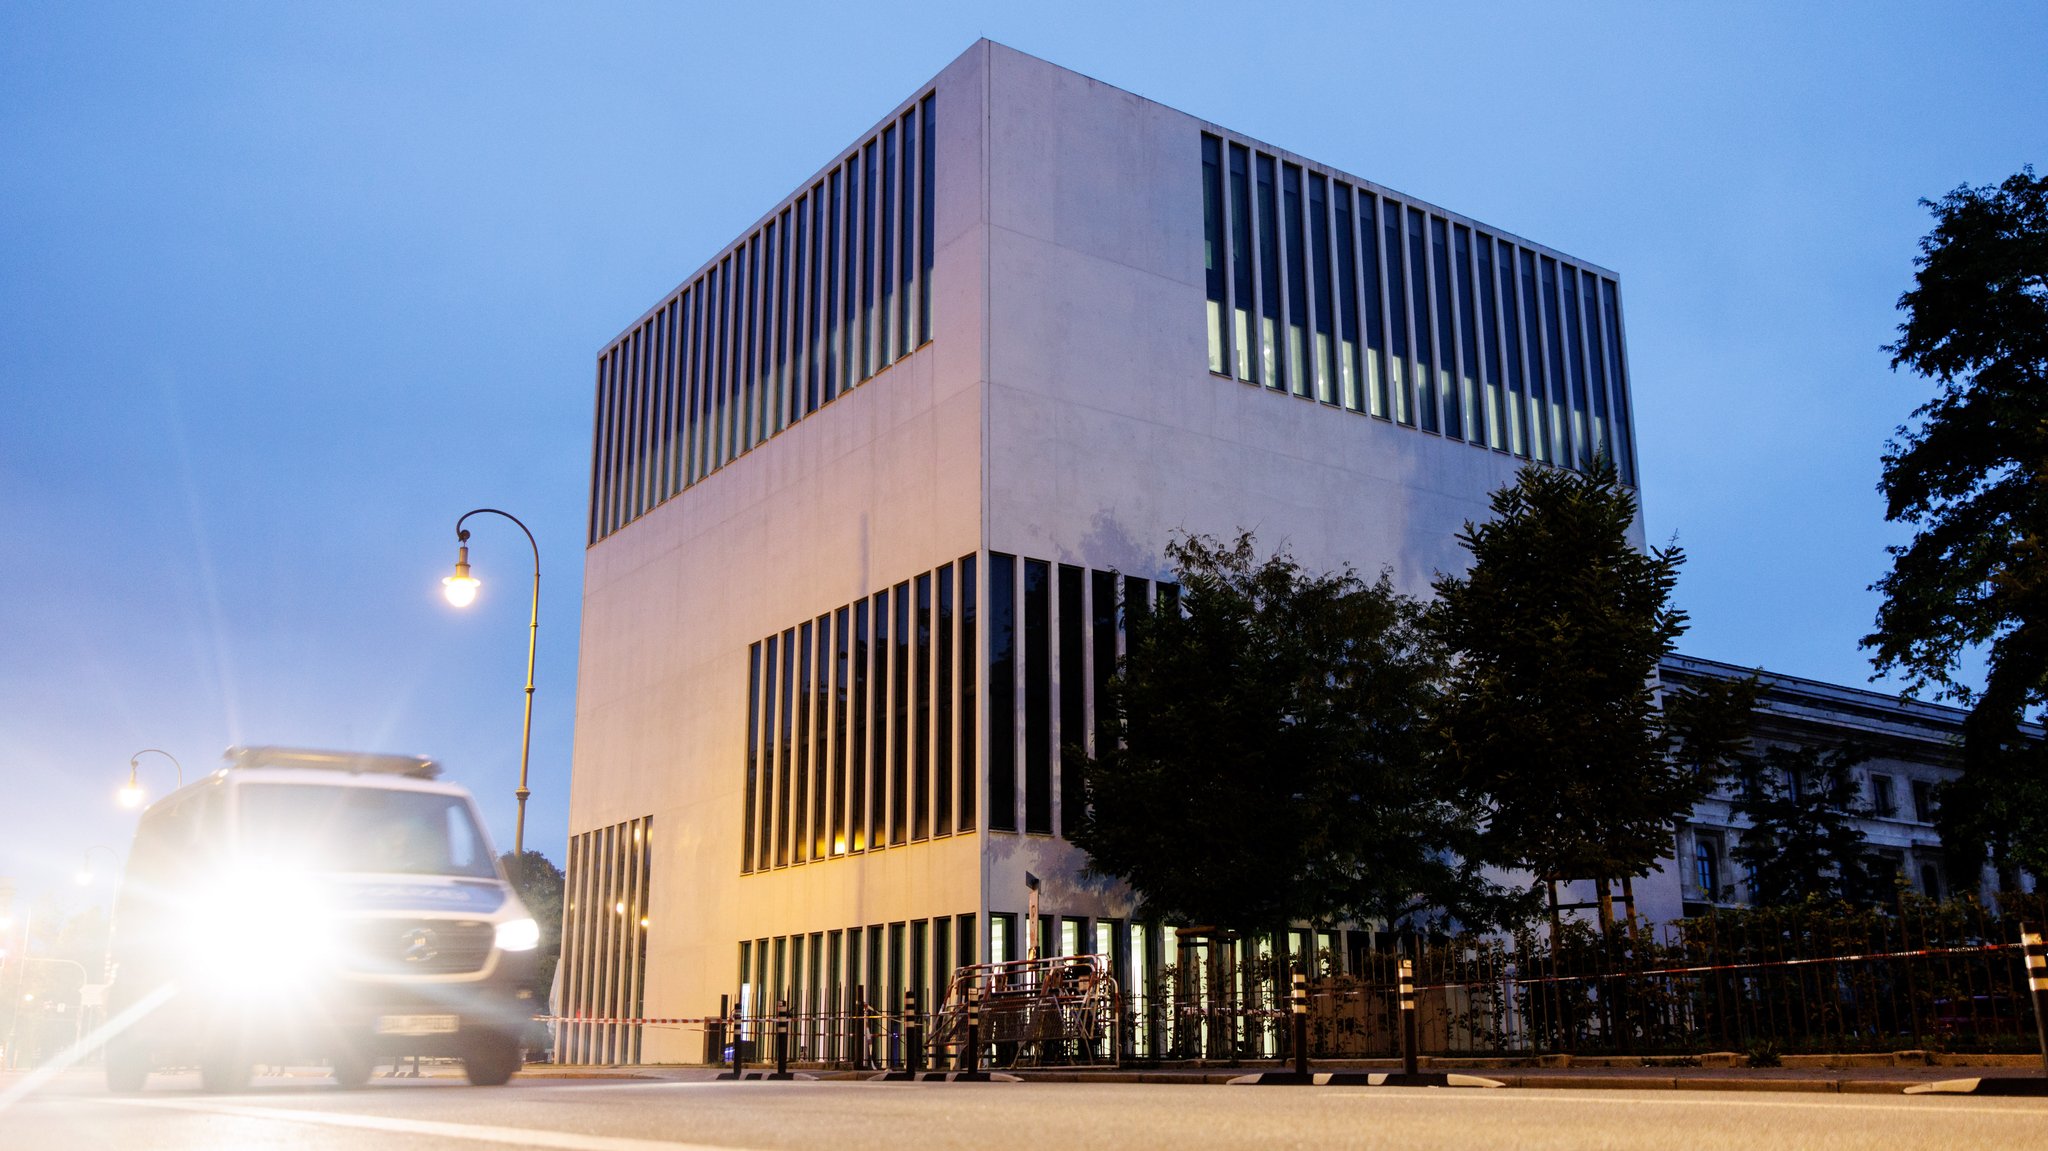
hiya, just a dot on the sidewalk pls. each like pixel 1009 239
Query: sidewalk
pixel 1861 1074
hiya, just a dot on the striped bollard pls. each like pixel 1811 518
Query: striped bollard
pixel 1300 1008
pixel 782 1039
pixel 973 1052
pixel 1407 990
pixel 2036 956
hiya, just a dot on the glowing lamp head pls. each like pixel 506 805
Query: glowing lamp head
pixel 460 588
pixel 130 796
pixel 84 878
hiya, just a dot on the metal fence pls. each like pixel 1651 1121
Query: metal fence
pixel 1815 979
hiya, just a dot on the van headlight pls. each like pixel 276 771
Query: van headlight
pixel 518 935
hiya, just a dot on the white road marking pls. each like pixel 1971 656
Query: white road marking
pixel 472 1132
pixel 1737 1098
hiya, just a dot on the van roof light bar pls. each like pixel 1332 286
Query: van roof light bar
pixel 353 762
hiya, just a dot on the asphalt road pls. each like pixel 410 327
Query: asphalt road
pixel 73 1113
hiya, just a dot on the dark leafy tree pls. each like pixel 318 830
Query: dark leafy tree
pixel 1803 842
pixel 539 884
pixel 1266 757
pixel 1550 719
pixel 1971 477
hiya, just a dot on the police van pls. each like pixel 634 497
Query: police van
pixel 310 905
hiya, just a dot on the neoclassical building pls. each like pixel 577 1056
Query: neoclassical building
pixel 873 488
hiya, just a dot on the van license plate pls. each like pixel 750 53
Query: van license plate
pixel 418 1024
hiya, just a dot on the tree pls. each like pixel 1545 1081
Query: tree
pixel 1265 758
pixel 1803 843
pixel 1972 480
pixel 539 884
pixel 1550 719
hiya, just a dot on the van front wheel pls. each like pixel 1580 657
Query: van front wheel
pixel 492 1061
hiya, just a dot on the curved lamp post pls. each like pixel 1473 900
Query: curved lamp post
pixel 132 795
pixel 460 589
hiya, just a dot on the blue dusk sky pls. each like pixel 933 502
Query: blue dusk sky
pixel 285 288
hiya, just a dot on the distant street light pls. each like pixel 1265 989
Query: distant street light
pixel 132 795
pixel 85 874
pixel 460 589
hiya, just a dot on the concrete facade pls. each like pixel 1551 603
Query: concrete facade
pixel 1063 411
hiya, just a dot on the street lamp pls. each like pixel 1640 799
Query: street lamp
pixel 460 589
pixel 132 795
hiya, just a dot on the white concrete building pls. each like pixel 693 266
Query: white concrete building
pixel 869 487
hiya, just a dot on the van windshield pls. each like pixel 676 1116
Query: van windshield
pixel 360 829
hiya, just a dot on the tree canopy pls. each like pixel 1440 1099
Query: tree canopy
pixel 1803 842
pixel 1550 720
pixel 1971 477
pixel 1266 754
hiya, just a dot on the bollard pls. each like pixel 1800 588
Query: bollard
pixel 1408 1016
pixel 2035 954
pixel 739 1045
pixel 913 1035
pixel 782 1039
pixel 1300 1006
pixel 973 1052
pixel 714 1032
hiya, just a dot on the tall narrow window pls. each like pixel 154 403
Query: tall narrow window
pixel 753 755
pixel 1002 692
pixel 1398 371
pixel 761 409
pixel 722 411
pixel 885 323
pixel 821 703
pixel 1540 427
pixel 1481 407
pixel 921 725
pixel 841 654
pixel 828 357
pixel 786 713
pixel 1373 374
pixel 1324 307
pixel 778 397
pixel 1212 248
pixel 770 742
pixel 1562 451
pixel 1603 446
pixel 856 209
pixel 906 239
pixel 803 398
pixel 942 699
pixel 1584 449
pixel 806 704
pixel 1349 390
pixel 970 764
pixel 857 804
pixel 680 416
pixel 1269 277
pixel 1418 306
pixel 864 356
pixel 1037 696
pixel 899 692
pixel 750 289
pixel 1073 689
pixel 927 232
pixel 878 736
pixel 801 311
pixel 1296 242
pixel 1241 261
pixel 1489 344
pixel 1624 449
